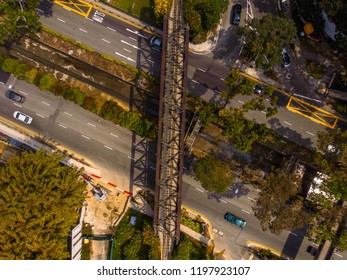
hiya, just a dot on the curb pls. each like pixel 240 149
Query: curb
pixel 263 246
pixel 87 176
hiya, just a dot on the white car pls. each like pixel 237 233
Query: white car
pixel 22 117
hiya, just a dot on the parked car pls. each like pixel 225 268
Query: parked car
pixel 14 96
pixel 236 14
pixel 311 250
pixel 259 89
pixel 285 58
pixel 156 43
pixel 22 117
pixel 235 220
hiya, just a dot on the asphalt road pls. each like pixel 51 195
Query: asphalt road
pixel 121 158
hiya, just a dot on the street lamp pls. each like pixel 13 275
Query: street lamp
pixel 12 85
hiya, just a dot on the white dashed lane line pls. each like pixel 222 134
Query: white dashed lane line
pixel 91 124
pixel 46 103
pixel 23 92
pixel 63 21
pixel 194 81
pixel 243 210
pixel 114 30
pixel 221 200
pixel 114 135
pixel 107 41
pixel 40 115
pixel 263 112
pixel 240 101
pixel 127 50
pixel 68 114
pixel 310 133
pixel 17 105
pixel 134 39
pixel 199 190
pixel 85 31
pixel 287 123
pixel 63 126
pixel 202 70
pixel 85 136
pixel 107 147
pixel 293 233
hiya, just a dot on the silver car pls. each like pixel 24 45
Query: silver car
pixel 22 117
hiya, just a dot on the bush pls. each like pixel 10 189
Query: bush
pixel 79 97
pixel 315 69
pixel 89 103
pixel 129 120
pixel 21 69
pixel 9 65
pixel 30 75
pixel 46 81
pixel 111 110
pixel 59 88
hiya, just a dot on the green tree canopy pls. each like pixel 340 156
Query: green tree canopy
pixel 278 207
pixel 39 201
pixel 265 39
pixel 214 174
pixel 18 17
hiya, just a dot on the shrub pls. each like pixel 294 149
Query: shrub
pixel 111 110
pixel 129 120
pixel 46 81
pixel 21 69
pixel 70 94
pixel 59 88
pixel 30 75
pixel 89 103
pixel 79 97
pixel 9 65
pixel 315 69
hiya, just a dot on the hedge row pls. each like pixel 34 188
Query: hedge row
pixel 108 110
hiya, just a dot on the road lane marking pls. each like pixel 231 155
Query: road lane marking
pixel 2 83
pixel 107 147
pixel 111 29
pixel 85 137
pixel 106 41
pixel 252 199
pixel 131 38
pixel 131 157
pixel 128 58
pixel 46 103
pixel 293 233
pixel 23 92
pixel 245 211
pixel 221 79
pixel 338 255
pixel 68 114
pixel 194 81
pixel 287 123
pixel 92 125
pixel 310 133
pixel 117 53
pixel 63 126
pixel 17 105
pixel 263 112
pixel 217 91
pixel 151 167
pixel 267 99
pixel 85 31
pixel 40 115
pixel 114 135
pixel 61 20
pixel 135 32
pixel 221 200
pixel 240 101
pixel 285 136
pixel 105 181
pixel 199 190
pixel 41 11
pixel 127 50
pixel 202 70
pixel 135 47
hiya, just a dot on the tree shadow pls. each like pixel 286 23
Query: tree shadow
pixel 44 9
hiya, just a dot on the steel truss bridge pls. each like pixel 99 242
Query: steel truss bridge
pixel 170 144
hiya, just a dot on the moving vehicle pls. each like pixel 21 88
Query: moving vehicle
pixel 22 117
pixel 259 89
pixel 14 96
pixel 285 58
pixel 156 43
pixel 236 14
pixel 235 220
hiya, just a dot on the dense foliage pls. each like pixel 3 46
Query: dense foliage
pixel 214 174
pixel 190 249
pixel 39 202
pixel 18 17
pixel 265 39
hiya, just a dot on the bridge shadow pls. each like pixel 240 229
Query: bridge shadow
pixel 45 8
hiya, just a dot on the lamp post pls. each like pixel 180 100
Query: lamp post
pixel 12 85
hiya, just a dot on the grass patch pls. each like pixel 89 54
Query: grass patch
pixel 142 9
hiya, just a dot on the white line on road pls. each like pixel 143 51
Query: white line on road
pixel 222 79
pixel 85 137
pixel 23 92
pixel 105 181
pixel 305 97
pixel 263 112
pixel 85 31
pixel 217 91
pixel 240 101
pixel 252 199
pixel 221 200
pixel 135 47
pixel 131 38
pixel 130 59
pixel 107 41
pixel 117 53
pixel 61 20
pixel 46 103
pixel 199 190
pixel 63 126
pixel 107 147
pixel 267 99
pixel 338 255
pixel 310 133
pixel 151 167
pixel 68 114
pixel 17 105
pixel 127 50
pixel 202 70
pixel 135 32
pixel 114 135
pixel 287 123
pixel 112 29
pixel 41 11
pixel 195 82
pixel 151 61
pixel 245 211
pixel 2 83
pixel 293 233
pixel 91 124
pixel 131 157
pixel 40 115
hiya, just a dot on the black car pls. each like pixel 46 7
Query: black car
pixel 236 14
pixel 285 58
pixel 14 96
pixel 259 89
pixel 156 43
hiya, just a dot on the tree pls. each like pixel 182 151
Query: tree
pixel 265 39
pixel 279 207
pixel 18 17
pixel 161 7
pixel 214 174
pixel 331 7
pixel 39 198
pixel 46 81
